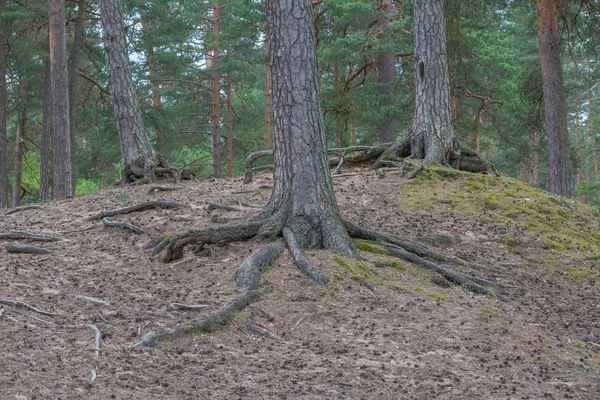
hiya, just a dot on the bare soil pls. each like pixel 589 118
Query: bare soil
pixel 404 338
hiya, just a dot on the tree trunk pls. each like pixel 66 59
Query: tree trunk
pixel 535 167
pixel 432 136
pixel 138 157
pixel 592 137
pixel 3 152
pixel 578 154
pixel 559 160
pixel 267 100
pixel 338 130
pixel 216 97
pixel 386 76
pixel 302 198
pixel 46 135
pixel 73 78
pixel 19 143
pixel 229 125
pixel 62 179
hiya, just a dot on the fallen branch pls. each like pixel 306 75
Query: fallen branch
pixel 17 303
pixel 124 225
pixel 97 339
pixel 23 248
pixel 33 237
pixel 90 300
pixel 22 208
pixel 163 188
pixel 37 260
pixel 138 207
pixel 186 307
pixel 209 323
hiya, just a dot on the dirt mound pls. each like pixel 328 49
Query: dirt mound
pixel 379 329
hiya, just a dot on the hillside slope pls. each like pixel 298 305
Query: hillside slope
pixel 373 332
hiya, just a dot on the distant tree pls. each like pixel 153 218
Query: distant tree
pixel 20 141
pixel 62 186
pixel 216 94
pixel 432 137
pixel 3 152
pixel 138 158
pixel 557 134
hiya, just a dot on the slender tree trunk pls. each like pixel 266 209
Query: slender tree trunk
pixel 432 135
pixel 19 142
pixel 470 132
pixel 229 125
pixel 338 130
pixel 216 97
pixel 46 135
pixel 386 76
pixel 3 152
pixel 592 137
pixel 535 167
pixel 73 78
pixel 62 179
pixel 352 128
pixel 267 100
pixel 559 160
pixel 138 157
pixel 579 157
pixel 302 198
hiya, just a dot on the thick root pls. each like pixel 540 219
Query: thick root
pixel 248 273
pixel 216 320
pixel 137 207
pixel 301 261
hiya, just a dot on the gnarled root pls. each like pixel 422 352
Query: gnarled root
pixel 209 323
pixel 301 261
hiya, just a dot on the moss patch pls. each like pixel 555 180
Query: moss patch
pixel 371 247
pixel 580 274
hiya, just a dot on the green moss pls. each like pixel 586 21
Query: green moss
pixel 510 241
pixel 580 274
pixel 338 277
pixel 341 262
pixel 392 263
pixel 371 247
pixel 550 244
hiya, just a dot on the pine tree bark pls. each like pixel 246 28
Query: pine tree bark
pixel 229 125
pixel 62 179
pixel 138 157
pixel 559 159
pixel 3 152
pixel 302 199
pixel 216 98
pixel 267 100
pixel 73 79
pixel 386 76
pixel 19 142
pixel 432 136
pixel 46 135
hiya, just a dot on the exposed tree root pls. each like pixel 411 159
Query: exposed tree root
pixel 259 329
pixel 22 208
pixel 31 237
pixel 92 300
pixel 209 323
pixel 223 219
pixel 97 339
pixel 186 307
pixel 17 303
pixel 23 248
pixel 137 207
pixel 162 188
pixel 300 260
pixel 248 273
pixel 124 225
pixel 218 206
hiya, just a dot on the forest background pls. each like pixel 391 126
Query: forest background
pixel 201 71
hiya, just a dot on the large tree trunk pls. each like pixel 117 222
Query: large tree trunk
pixel 3 152
pixel 138 157
pixel 302 198
pixel 432 136
pixel 62 178
pixel 386 77
pixel 229 125
pixel 267 100
pixel 46 134
pixel 216 98
pixel 73 78
pixel 559 159
pixel 19 142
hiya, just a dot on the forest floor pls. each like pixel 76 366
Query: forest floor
pixel 403 338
